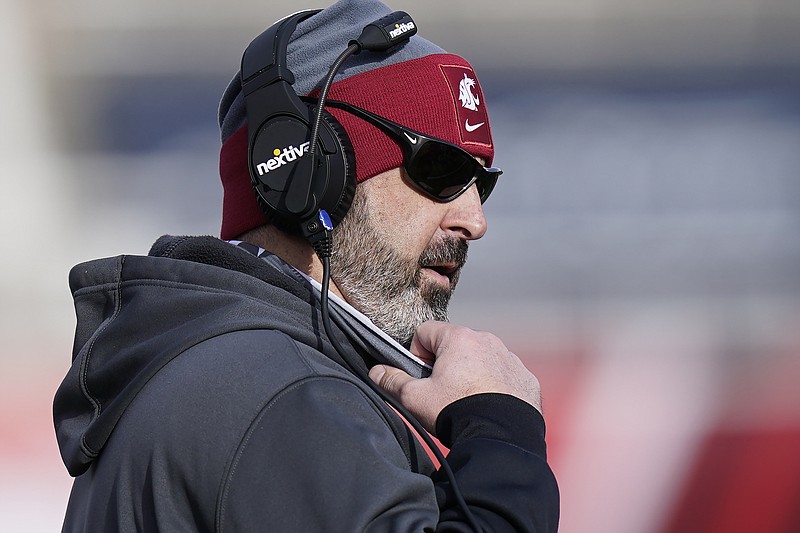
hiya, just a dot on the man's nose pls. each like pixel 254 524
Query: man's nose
pixel 465 215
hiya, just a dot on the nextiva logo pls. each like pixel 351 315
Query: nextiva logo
pixel 282 157
pixel 400 29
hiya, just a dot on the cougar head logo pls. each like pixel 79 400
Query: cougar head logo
pixel 468 100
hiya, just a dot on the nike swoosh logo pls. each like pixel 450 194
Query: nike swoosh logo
pixel 472 127
pixel 411 138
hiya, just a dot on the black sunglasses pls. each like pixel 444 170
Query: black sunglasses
pixel 438 168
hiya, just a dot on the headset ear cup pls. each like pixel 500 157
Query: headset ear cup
pixel 348 185
pixel 333 184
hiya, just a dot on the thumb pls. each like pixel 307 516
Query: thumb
pixel 390 379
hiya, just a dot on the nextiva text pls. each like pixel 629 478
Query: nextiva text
pixel 400 29
pixel 287 155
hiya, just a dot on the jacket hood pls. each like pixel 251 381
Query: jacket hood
pixel 136 313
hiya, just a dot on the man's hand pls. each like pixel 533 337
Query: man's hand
pixel 467 362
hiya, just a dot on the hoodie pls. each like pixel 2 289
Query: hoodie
pixel 204 395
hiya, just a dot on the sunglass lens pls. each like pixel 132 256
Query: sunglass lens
pixel 440 170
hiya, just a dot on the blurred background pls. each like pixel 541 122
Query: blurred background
pixel 643 253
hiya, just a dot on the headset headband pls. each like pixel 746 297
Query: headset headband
pixel 290 184
pixel 271 43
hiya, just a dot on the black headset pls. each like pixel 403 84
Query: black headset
pixel 279 130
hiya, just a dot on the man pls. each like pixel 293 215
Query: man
pixel 205 393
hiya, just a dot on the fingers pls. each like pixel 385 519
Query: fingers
pixel 471 362
pixel 422 345
pixel 431 335
pixel 390 379
pixel 467 362
pixel 402 387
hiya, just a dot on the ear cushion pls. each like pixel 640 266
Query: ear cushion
pixel 348 188
pixel 336 195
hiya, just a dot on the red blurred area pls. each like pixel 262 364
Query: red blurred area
pixel 746 475
pixel 742 482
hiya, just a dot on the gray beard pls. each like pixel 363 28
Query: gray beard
pixel 387 287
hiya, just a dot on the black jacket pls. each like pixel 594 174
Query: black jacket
pixel 204 395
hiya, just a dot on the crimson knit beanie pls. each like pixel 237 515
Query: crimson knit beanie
pixel 418 85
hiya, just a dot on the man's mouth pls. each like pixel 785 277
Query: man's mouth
pixel 443 272
pixel 443 260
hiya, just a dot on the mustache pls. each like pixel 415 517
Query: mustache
pixel 450 250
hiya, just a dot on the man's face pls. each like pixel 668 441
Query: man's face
pixel 398 254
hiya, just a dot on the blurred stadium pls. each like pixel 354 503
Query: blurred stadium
pixel 643 254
